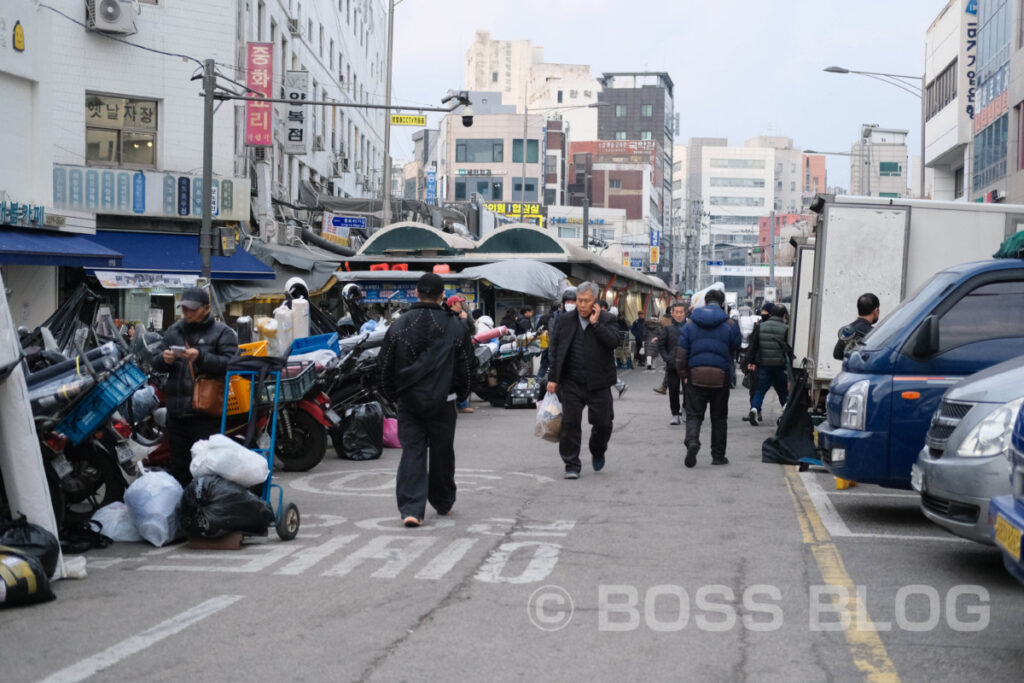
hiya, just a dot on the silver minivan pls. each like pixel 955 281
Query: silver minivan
pixel 965 459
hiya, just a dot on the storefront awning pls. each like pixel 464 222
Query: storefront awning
pixel 177 254
pixel 39 248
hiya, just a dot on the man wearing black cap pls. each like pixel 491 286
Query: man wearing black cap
pixel 197 345
pixel 426 365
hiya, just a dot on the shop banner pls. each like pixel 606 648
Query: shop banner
pixel 296 87
pixel 259 116
pixel 113 279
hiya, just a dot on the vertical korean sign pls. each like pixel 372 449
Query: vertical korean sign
pixel 259 116
pixel 296 85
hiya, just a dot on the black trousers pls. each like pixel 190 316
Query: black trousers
pixel 427 469
pixel 182 432
pixel 598 402
pixel 697 400
pixel 674 383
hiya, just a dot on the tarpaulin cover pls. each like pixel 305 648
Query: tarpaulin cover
pixel 521 275
pixel 40 248
pixel 150 252
pixel 313 265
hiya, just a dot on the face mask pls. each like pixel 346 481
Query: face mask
pixel 764 316
pixel 569 308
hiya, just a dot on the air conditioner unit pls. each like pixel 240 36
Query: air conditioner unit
pixel 289 234
pixel 318 143
pixel 110 16
pixel 295 27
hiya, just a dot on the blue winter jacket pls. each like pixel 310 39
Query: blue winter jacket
pixel 709 339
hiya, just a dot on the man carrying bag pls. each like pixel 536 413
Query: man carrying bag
pixel 426 365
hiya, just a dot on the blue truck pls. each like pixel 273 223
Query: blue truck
pixel 962 320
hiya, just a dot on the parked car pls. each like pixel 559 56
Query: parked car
pixel 965 460
pixel 1006 513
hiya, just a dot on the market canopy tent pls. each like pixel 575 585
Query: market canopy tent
pixel 170 253
pixel 315 266
pixel 39 248
pixel 521 275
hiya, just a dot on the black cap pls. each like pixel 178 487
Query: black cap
pixel 430 284
pixel 193 298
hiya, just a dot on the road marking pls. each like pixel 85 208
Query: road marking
pixel 447 559
pixel 837 528
pixel 307 557
pixel 380 548
pixel 545 557
pixel 843 494
pixel 137 643
pixel 869 653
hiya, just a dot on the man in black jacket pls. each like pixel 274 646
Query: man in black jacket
pixel 582 374
pixel 668 342
pixel 867 315
pixel 426 365
pixel 199 341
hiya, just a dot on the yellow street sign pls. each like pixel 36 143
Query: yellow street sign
pixel 406 120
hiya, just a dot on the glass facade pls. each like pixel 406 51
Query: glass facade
pixel 990 148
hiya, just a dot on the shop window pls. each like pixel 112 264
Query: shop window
pixel 120 131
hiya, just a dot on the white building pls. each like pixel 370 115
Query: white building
pixel 737 188
pixel 608 228
pixel 878 162
pixel 568 92
pixel 949 130
pixel 501 65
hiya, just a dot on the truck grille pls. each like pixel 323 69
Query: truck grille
pixel 946 419
pixel 958 512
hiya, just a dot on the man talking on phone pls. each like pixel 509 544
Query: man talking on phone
pixel 582 374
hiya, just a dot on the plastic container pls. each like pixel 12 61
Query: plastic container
pixel 300 318
pixel 285 331
pixel 316 343
pixel 101 401
pixel 239 399
pixel 296 381
pixel 257 348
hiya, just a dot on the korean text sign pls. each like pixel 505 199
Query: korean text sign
pixel 259 116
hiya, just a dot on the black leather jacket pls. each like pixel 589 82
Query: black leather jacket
pixel 217 344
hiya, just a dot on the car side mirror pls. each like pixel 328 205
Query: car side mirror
pixel 926 343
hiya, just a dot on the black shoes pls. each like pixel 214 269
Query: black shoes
pixel 691 456
pixel 598 462
pixel 721 461
pixel 571 474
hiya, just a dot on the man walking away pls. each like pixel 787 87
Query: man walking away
pixel 426 364
pixel 668 342
pixel 582 374
pixel 868 308
pixel 768 355
pixel 620 386
pixel 639 330
pixel 703 358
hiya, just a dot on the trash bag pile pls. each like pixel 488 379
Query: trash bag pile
pixel 28 559
pixel 360 436
pixel 213 506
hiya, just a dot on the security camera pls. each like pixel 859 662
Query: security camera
pixel 467 117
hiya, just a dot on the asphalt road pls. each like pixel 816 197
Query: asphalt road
pixel 644 570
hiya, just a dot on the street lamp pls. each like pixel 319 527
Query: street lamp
pixel 905 83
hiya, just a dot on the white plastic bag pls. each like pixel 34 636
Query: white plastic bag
pixel 549 418
pixel 227 458
pixel 116 523
pixel 153 501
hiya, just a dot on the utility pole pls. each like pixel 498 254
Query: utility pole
pixel 771 249
pixel 206 230
pixel 522 194
pixel 386 212
pixel 586 223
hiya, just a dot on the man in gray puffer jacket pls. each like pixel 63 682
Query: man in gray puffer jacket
pixel 208 346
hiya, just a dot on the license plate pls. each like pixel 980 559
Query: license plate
pixel 124 453
pixel 917 478
pixel 1008 537
pixel 333 417
pixel 61 466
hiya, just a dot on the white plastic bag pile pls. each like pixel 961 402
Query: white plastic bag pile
pixel 152 502
pixel 227 458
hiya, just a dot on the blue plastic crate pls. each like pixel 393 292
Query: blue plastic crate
pixel 101 402
pixel 315 343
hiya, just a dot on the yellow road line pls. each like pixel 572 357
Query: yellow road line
pixel 869 653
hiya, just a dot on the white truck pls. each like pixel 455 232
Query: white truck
pixel 889 247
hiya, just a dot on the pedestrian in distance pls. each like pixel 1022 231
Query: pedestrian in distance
pixel 620 386
pixel 582 374
pixel 426 367
pixel 639 330
pixel 768 355
pixel 196 345
pixel 652 330
pixel 868 308
pixel 524 321
pixel 703 359
pixel 667 344
pixel 457 304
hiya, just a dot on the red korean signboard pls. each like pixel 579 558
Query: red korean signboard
pixel 259 116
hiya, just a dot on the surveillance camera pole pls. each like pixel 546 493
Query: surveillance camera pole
pixel 206 230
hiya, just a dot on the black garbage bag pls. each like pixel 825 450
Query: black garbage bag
pixel 23 580
pixel 213 506
pixel 794 438
pixel 33 540
pixel 360 436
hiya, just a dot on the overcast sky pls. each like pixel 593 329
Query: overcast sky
pixel 741 68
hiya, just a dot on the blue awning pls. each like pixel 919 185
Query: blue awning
pixel 43 248
pixel 150 252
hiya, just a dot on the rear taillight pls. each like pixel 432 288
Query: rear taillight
pixel 56 442
pixel 122 428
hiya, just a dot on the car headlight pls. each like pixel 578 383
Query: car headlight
pixel 991 436
pixel 855 406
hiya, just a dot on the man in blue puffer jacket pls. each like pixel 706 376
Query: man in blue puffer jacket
pixel 707 345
